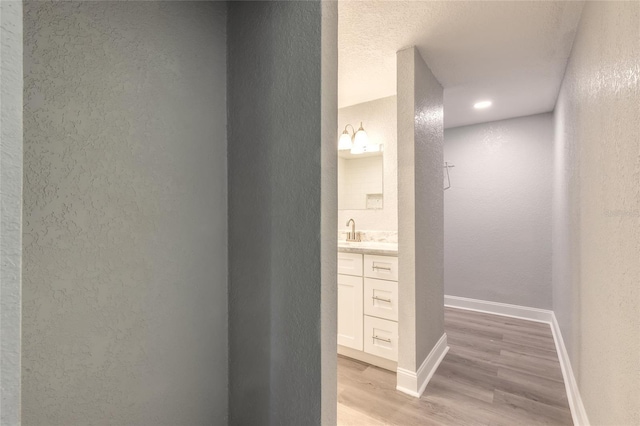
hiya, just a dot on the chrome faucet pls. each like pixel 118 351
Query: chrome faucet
pixel 353 235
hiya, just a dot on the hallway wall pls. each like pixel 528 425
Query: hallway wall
pixel 420 205
pixel 11 211
pixel 597 211
pixel 125 215
pixel 282 212
pixel 498 211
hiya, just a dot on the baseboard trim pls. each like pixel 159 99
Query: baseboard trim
pixel 503 309
pixel 414 383
pixel 578 413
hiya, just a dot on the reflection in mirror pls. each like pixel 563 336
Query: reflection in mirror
pixel 360 178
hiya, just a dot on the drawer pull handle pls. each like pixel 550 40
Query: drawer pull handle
pixel 381 299
pixel 384 268
pixel 382 338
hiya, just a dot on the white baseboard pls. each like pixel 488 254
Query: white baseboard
pixel 503 309
pixel 578 412
pixel 414 383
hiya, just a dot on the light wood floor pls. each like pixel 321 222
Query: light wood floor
pixel 498 371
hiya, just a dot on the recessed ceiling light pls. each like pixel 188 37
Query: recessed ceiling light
pixel 482 104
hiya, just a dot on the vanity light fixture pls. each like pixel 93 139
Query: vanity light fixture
pixel 357 142
pixel 482 104
pixel 360 141
pixel 346 140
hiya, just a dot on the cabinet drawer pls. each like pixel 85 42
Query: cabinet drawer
pixel 381 298
pixel 381 267
pixel 350 264
pixel 381 337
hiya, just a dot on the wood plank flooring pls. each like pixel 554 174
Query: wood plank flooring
pixel 498 371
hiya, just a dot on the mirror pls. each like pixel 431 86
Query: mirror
pixel 360 178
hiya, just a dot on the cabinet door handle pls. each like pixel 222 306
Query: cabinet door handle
pixel 384 268
pixel 382 338
pixel 381 299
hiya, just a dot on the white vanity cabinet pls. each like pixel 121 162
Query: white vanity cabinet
pixel 368 308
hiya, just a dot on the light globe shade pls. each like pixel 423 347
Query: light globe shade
pixel 360 141
pixel 344 142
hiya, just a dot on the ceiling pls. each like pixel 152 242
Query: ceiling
pixel 513 53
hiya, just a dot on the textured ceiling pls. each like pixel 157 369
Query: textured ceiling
pixel 513 53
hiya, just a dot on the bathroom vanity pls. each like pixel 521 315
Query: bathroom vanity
pixel 368 302
pixel 368 260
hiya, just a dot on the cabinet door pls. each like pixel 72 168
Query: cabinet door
pixel 350 321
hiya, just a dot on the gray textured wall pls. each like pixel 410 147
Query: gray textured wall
pixel 420 209
pixel 125 217
pixel 497 213
pixel 275 204
pixel 11 208
pixel 597 211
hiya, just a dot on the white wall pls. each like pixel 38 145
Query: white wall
pixel 125 214
pixel 498 211
pixel 11 211
pixel 341 171
pixel 597 211
pixel 420 207
pixel 379 119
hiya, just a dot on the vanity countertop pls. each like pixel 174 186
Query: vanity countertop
pixel 369 247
